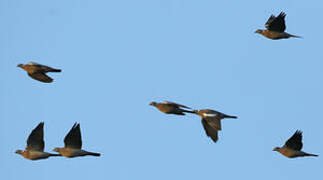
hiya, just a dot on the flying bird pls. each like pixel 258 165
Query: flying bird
pixel 35 145
pixel 73 144
pixel 275 28
pixel 211 121
pixel 293 146
pixel 171 108
pixel 38 71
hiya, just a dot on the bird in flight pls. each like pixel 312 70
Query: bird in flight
pixel 293 147
pixel 171 108
pixel 38 71
pixel 35 145
pixel 73 144
pixel 211 121
pixel 275 28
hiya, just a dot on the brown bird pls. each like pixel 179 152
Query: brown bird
pixel 293 146
pixel 171 108
pixel 35 145
pixel 275 27
pixel 211 121
pixel 73 144
pixel 38 71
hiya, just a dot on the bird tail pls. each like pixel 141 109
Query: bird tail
pixel 232 117
pixel 55 70
pixel 50 154
pixel 93 154
pixel 307 154
pixel 295 36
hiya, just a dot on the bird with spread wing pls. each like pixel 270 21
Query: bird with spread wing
pixel 293 147
pixel 35 145
pixel 211 121
pixel 38 71
pixel 73 144
pixel 275 28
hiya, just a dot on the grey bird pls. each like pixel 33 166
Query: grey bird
pixel 38 71
pixel 211 121
pixel 293 147
pixel 171 108
pixel 73 144
pixel 275 28
pixel 35 145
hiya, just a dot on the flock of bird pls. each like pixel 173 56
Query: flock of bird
pixel 211 119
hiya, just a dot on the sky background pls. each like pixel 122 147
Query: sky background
pixel 118 56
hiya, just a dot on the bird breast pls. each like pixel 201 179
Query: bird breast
pixel 287 152
pixel 34 155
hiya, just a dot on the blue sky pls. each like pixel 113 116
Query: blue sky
pixel 118 56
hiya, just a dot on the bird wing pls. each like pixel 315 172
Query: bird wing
pixel 73 139
pixel 43 68
pixel 276 23
pixel 34 64
pixel 211 114
pixel 48 69
pixel 35 140
pixel 214 122
pixel 295 142
pixel 40 76
pixel 175 104
pixel 211 129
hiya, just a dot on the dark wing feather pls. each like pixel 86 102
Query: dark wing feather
pixel 41 77
pixel 42 68
pixel 35 140
pixel 295 142
pixel 49 69
pixel 210 131
pixel 269 21
pixel 214 122
pixel 73 138
pixel 276 23
pixel 175 104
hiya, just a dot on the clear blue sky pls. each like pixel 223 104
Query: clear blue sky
pixel 118 56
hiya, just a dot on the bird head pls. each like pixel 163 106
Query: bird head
pixel 20 65
pixel 276 149
pixel 259 31
pixel 153 103
pixel 18 152
pixel 56 149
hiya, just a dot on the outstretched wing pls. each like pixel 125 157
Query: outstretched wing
pixel 295 142
pixel 211 129
pixel 35 141
pixel 276 23
pixel 41 77
pixel 73 138
pixel 175 104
